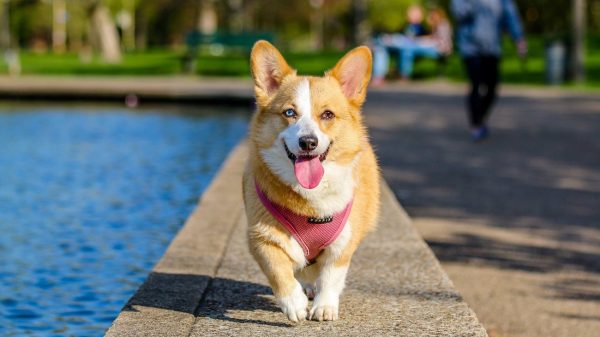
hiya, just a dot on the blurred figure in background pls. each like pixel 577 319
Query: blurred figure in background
pixel 437 44
pixel 415 27
pixel 393 43
pixel 479 38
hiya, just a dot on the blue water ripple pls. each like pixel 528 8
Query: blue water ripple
pixel 90 197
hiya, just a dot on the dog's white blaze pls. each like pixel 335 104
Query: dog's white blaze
pixel 303 102
pixel 305 125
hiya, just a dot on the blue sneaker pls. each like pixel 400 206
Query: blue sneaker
pixel 480 133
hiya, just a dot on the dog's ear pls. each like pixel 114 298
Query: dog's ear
pixel 268 69
pixel 353 72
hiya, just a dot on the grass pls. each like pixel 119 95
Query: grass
pixel 515 70
pixel 147 63
pixel 168 62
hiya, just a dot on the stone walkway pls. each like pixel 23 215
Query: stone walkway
pixel 207 284
pixel 515 221
pixel 179 89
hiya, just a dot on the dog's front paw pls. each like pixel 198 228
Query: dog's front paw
pixel 324 309
pixel 294 305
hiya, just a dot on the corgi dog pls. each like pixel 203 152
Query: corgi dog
pixel 311 183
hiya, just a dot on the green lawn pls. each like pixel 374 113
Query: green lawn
pixel 166 62
pixel 514 70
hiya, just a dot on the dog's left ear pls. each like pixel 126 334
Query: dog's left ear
pixel 268 70
pixel 353 72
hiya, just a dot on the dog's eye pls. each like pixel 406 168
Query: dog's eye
pixel 327 115
pixel 289 113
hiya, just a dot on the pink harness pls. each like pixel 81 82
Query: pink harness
pixel 312 234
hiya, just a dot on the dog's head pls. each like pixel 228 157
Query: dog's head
pixel 304 123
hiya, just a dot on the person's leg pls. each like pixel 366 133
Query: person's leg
pixel 381 61
pixel 408 55
pixel 490 77
pixel 406 60
pixel 473 66
pixel 427 51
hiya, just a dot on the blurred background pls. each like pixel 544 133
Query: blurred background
pixel 210 37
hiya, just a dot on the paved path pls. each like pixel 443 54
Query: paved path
pixel 207 284
pixel 515 221
pixel 164 88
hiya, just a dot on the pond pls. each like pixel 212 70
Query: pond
pixel 90 198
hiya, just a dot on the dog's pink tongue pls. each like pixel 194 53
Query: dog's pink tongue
pixel 309 171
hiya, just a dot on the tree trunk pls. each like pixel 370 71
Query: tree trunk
pixel 578 49
pixel 360 25
pixel 207 19
pixel 105 32
pixel 4 26
pixel 59 26
pixel 126 19
pixel 317 24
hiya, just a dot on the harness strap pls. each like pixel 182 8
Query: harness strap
pixel 312 234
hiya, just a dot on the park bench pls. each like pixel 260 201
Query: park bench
pixel 441 63
pixel 218 43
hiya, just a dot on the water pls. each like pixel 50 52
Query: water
pixel 89 200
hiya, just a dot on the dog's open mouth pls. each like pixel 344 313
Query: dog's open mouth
pixel 308 169
pixel 293 157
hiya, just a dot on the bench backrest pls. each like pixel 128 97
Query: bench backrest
pixel 244 40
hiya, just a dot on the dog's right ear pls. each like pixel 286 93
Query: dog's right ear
pixel 268 70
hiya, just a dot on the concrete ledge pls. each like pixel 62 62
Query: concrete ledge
pixel 235 91
pixel 207 284
pixel 148 89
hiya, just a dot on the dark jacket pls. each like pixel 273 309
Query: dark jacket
pixel 481 23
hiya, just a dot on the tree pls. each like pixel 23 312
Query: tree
pixel 59 26
pixel 4 26
pixel 390 15
pixel 360 24
pixel 578 48
pixel 104 31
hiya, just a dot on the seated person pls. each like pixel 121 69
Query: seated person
pixel 414 28
pixel 435 45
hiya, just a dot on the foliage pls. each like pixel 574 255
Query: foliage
pixel 389 15
pixel 168 62
pixel 30 23
pixel 164 23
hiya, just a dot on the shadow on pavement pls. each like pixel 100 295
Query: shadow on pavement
pixel 580 317
pixel 577 289
pixel 466 247
pixel 537 177
pixel 203 296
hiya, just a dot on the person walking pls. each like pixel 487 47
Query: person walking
pixel 479 38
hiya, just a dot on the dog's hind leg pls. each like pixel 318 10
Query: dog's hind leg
pixel 308 278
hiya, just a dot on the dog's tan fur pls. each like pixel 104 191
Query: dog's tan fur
pixel 342 91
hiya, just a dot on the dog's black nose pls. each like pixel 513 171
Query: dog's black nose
pixel 308 143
